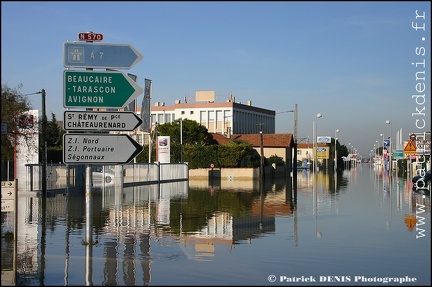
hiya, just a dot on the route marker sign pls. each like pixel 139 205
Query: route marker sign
pixel 89 36
pixel 100 121
pixel 99 148
pixel 98 89
pixel 100 55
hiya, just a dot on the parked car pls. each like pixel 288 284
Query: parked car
pixel 102 176
pixel 422 181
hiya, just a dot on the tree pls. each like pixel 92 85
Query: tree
pixel 13 105
pixel 193 133
pixel 54 133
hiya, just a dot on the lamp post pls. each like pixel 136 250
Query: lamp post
pixel 44 151
pixel 390 148
pixel 294 139
pixel 181 139
pixel 43 141
pixel 335 149
pixel 319 115
pixel 290 111
pixel 262 153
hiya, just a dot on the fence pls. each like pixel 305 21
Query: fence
pixel 61 176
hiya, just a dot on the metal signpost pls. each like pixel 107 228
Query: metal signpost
pixel 98 89
pixel 100 121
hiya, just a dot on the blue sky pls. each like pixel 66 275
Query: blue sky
pixel 349 61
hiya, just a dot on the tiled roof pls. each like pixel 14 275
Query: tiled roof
pixel 269 140
pixel 309 145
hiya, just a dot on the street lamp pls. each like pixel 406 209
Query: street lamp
pixel 181 139
pixel 319 115
pixel 290 111
pixel 43 140
pixel 335 148
pixel 390 147
pixel 377 144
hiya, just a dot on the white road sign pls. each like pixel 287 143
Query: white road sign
pixel 8 193
pixel 7 205
pixel 102 121
pixel 99 148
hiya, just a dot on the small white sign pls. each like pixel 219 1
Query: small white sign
pixel 324 139
pixel 163 149
pixel 7 205
pixel 7 193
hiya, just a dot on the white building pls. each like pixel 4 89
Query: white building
pixel 226 118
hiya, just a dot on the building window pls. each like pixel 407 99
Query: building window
pixel 211 116
pixel 191 112
pixel 203 116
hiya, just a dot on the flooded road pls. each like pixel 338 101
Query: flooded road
pixel 360 227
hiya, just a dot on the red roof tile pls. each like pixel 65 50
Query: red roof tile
pixel 269 140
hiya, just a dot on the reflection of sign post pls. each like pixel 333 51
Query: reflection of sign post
pixel 8 278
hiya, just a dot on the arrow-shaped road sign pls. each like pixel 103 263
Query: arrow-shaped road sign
pixel 99 148
pixel 92 89
pixel 101 121
pixel 100 55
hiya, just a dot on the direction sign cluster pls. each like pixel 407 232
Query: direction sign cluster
pixel 99 89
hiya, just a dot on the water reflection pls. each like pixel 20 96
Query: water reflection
pixel 134 228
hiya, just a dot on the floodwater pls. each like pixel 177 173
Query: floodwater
pixel 360 227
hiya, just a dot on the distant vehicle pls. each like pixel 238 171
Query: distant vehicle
pixel 422 182
pixel 102 176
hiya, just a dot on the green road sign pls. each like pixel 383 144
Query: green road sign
pixel 94 89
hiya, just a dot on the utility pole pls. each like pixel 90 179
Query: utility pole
pixel 44 149
pixel 262 154
pixel 294 165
